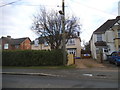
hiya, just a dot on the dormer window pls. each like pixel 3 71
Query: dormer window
pixel 99 37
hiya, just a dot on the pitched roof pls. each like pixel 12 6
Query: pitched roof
pixel 18 41
pixel 103 28
pixel 15 41
pixel 41 40
pixel 107 25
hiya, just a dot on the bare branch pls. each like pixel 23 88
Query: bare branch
pixel 49 25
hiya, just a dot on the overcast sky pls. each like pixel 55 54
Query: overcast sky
pixel 16 18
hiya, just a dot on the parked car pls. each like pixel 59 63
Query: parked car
pixel 115 58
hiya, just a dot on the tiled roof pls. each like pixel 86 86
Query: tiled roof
pixel 107 25
pixel 40 39
pixel 17 41
pixel 14 41
pixel 102 29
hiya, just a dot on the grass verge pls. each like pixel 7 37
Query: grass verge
pixel 40 67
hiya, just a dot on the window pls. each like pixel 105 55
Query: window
pixel 72 51
pixel 118 33
pixel 99 37
pixel 6 46
pixel 71 42
pixel 16 46
pixel 45 44
pixel 97 50
pixel 36 43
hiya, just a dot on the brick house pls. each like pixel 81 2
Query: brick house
pixel 9 43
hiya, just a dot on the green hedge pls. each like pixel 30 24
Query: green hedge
pixel 32 58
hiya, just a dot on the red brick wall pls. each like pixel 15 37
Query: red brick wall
pixel 25 45
pixel 5 42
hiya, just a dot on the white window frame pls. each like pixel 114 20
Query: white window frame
pixel 45 43
pixel 99 37
pixel 36 43
pixel 72 51
pixel 71 41
pixel 6 46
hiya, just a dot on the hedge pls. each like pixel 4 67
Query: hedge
pixel 32 58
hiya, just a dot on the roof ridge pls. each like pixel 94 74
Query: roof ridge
pixel 105 26
pixel 20 38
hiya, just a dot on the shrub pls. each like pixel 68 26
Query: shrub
pixel 32 58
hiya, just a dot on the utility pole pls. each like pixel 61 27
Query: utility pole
pixel 63 28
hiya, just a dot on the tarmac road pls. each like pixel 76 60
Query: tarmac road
pixel 28 81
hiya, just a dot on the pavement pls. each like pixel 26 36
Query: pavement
pixel 68 73
pixel 98 71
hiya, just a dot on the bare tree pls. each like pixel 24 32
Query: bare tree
pixel 49 25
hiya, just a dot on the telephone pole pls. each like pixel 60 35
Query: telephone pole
pixel 63 34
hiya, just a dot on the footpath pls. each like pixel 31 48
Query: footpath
pixel 84 69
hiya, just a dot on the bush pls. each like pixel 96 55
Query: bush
pixel 32 58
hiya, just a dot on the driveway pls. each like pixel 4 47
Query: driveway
pixel 91 63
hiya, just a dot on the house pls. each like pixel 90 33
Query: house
pixel 116 29
pixel 105 39
pixel 9 43
pixel 72 47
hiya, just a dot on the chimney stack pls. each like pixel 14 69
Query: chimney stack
pixel 9 37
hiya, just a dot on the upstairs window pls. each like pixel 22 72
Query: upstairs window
pixel 118 33
pixel 45 43
pixel 36 43
pixel 99 37
pixel 71 42
pixel 6 46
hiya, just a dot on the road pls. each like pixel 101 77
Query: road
pixel 27 81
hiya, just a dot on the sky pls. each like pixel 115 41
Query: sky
pixel 16 18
